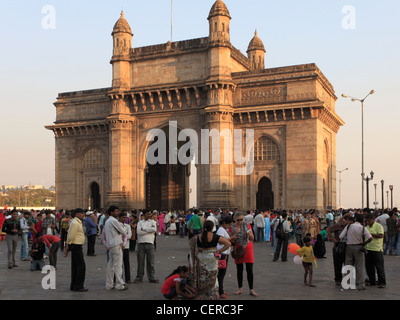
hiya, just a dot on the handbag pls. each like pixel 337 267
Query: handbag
pixel 222 263
pixel 238 251
pixel 341 246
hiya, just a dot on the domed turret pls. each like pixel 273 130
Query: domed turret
pixel 256 52
pixel 122 26
pixel 122 43
pixel 219 20
pixel 219 9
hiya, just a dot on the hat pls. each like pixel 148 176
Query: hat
pixel 89 213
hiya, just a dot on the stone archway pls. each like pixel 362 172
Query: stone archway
pixel 95 201
pixel 265 195
pixel 166 184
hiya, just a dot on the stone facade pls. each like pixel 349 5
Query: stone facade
pixel 203 83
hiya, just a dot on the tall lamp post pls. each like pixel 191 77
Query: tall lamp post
pixel 391 196
pixel 375 203
pixel 383 200
pixel 387 199
pixel 362 140
pixel 368 179
pixel 340 186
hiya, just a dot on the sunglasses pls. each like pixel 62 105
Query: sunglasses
pixel 239 220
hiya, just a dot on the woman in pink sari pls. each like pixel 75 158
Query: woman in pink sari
pixel 161 226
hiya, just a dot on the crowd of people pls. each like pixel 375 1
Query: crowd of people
pixel 360 238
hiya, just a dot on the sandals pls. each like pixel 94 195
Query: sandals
pixel 253 293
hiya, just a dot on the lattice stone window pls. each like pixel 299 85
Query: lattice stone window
pixel 93 159
pixel 266 149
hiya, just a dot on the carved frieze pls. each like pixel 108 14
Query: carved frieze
pixel 263 95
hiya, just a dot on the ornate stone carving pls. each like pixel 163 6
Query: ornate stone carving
pixel 263 95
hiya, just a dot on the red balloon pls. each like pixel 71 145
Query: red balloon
pixel 293 247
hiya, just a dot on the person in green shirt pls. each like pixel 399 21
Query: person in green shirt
pixel 324 234
pixel 195 225
pixel 374 258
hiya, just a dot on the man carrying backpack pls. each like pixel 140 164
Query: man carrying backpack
pixel 282 236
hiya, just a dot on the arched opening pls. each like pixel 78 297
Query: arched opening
pixel 167 184
pixel 265 195
pixel 95 203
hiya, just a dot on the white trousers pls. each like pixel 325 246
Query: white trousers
pixel 114 268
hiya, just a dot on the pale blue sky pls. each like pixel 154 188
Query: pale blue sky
pixel 36 64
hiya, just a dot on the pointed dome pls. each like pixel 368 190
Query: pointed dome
pixel 256 43
pixel 122 25
pixel 219 9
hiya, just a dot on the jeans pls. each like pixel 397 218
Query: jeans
pixel 374 261
pixel 398 245
pixel 37 265
pixel 53 253
pixel 145 253
pixel 221 274
pixel 260 233
pixel 356 258
pixel 114 268
pixel 12 241
pixel 390 244
pixel 24 245
pixel 78 267
pixel 281 243
pixel 338 262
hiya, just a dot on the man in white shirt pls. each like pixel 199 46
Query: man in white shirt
pixel 260 224
pixel 283 241
pixel 146 230
pixel 114 239
pixel 25 224
pixel 357 237
pixel 212 218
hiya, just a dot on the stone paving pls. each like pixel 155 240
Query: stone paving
pixel 272 280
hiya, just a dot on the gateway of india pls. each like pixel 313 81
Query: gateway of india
pixel 205 83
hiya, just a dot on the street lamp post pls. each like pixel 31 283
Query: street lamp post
pixel 368 179
pixel 383 201
pixel 391 196
pixel 362 140
pixel 387 199
pixel 375 203
pixel 340 186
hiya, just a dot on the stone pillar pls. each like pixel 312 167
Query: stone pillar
pixel 121 137
pixel 218 177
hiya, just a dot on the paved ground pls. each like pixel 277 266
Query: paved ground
pixel 273 280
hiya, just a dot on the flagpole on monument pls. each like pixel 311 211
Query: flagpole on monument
pixel 171 18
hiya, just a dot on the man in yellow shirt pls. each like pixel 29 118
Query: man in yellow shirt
pixel 374 258
pixel 75 240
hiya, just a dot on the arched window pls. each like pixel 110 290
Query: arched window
pixel 266 149
pixel 93 158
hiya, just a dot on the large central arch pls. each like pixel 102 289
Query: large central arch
pixel 167 184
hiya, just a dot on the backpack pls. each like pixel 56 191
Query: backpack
pixel 279 233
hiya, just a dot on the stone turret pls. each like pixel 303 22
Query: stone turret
pixel 122 43
pixel 256 53
pixel 219 20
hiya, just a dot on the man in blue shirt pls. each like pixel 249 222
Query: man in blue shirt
pixel 91 233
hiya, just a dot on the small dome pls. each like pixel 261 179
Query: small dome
pixel 219 9
pixel 122 25
pixel 256 44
